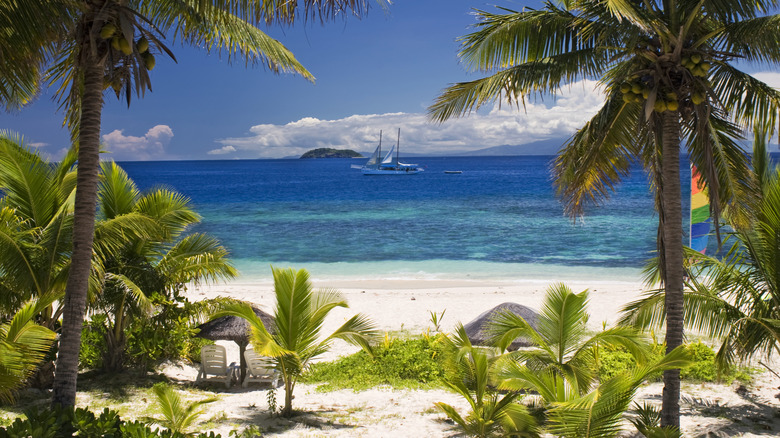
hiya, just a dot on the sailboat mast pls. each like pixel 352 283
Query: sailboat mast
pixel 380 144
pixel 398 146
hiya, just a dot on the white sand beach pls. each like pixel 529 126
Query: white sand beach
pixel 405 305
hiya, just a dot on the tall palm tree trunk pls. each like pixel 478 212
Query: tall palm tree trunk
pixel 66 370
pixel 673 258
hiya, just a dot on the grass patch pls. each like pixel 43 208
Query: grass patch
pixel 411 363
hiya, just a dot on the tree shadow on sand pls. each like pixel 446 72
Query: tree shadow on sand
pixel 272 424
pixel 757 417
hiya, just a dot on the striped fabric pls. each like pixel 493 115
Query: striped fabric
pixel 700 212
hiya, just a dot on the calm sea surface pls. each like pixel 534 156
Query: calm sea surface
pixel 498 219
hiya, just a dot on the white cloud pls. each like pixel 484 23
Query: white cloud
pixel 771 78
pixel 130 148
pixel 502 125
pixel 223 150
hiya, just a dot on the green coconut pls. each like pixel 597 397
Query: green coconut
pixel 142 45
pixel 149 61
pixel 696 58
pixel 697 98
pixel 672 105
pixel 125 46
pixel 107 31
pixel 660 106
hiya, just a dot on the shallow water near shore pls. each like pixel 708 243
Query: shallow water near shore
pixel 499 219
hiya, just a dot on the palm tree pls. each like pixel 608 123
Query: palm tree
pixel 23 345
pixel 299 315
pixel 562 342
pixel 37 206
pixel 155 256
pixel 735 299
pixel 668 75
pixel 88 46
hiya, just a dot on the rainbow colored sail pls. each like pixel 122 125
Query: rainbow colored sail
pixel 700 212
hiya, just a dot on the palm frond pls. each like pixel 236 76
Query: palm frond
pixel 196 258
pixel 117 193
pixel 23 344
pixel 358 330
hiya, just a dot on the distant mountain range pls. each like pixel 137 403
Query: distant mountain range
pixel 542 147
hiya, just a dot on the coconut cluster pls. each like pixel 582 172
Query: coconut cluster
pixel 696 65
pixel 120 43
pixel 638 89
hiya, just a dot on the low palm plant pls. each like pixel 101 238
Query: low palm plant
pixel 176 416
pixel 23 345
pixel 562 341
pixel 299 315
pixel 599 413
pixel 491 413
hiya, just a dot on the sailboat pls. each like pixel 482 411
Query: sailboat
pixel 388 164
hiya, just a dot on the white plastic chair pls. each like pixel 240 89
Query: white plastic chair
pixel 213 361
pixel 259 369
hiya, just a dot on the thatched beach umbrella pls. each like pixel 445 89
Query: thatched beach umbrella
pixel 477 328
pixel 236 329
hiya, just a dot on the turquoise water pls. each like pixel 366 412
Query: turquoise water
pixel 498 219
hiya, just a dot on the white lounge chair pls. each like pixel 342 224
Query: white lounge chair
pixel 259 369
pixel 213 361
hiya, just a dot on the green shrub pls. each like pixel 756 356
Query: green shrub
pixel 702 369
pixel 93 343
pixel 68 422
pixel 614 362
pixel 401 363
pixel 167 335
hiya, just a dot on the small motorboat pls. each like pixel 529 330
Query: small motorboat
pixel 453 172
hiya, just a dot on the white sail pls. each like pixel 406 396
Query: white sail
pixel 390 158
pixel 374 160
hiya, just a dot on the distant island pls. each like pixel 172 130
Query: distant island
pixel 331 153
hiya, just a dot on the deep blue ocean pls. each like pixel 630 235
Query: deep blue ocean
pixel 500 218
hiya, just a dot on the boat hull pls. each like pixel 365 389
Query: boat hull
pixel 408 171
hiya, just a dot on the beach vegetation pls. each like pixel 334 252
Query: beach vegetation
pixel 36 201
pixel 176 416
pixel 491 412
pixel 156 257
pixel 560 368
pixel 702 368
pixel 299 314
pixel 562 342
pixel 668 73
pixel 169 334
pixel 83 48
pixel 62 422
pixel 413 362
pixel 23 345
pixel 734 299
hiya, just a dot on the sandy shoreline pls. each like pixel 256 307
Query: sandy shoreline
pixel 404 305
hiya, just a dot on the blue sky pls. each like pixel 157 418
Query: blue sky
pixel 379 72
